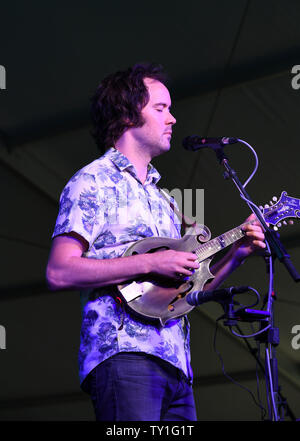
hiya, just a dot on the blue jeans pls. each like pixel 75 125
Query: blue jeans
pixel 133 386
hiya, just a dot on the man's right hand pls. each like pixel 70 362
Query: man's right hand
pixel 68 268
pixel 173 264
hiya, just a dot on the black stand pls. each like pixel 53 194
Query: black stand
pixel 270 337
pixel 278 407
pixel 232 317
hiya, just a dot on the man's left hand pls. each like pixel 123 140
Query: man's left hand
pixel 252 242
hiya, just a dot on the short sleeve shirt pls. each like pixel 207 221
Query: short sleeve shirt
pixel 110 208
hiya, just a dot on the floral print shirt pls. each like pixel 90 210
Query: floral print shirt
pixel 110 208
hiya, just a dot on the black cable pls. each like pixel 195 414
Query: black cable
pixel 227 375
pixel 256 355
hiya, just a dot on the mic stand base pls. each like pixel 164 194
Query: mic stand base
pixel 268 337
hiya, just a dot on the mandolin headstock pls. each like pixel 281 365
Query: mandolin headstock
pixel 278 211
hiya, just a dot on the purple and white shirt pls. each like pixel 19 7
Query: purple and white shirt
pixel 110 208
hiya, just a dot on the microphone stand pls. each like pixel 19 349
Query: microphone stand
pixel 270 235
pixel 271 336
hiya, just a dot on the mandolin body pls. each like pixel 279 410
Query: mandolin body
pixel 161 298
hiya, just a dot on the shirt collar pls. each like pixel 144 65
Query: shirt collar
pixel 123 163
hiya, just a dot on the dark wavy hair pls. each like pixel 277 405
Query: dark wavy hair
pixel 118 101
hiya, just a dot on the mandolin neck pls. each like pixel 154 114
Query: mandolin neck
pixel 208 249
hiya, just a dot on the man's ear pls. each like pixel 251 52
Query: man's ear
pixel 128 122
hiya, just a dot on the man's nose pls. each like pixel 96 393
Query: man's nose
pixel 171 119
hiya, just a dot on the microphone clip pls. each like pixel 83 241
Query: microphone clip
pixel 219 151
pixel 233 316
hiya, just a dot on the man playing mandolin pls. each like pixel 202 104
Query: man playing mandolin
pixel 133 368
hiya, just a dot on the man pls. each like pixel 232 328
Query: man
pixel 133 369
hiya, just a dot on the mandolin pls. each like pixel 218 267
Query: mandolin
pixel 163 299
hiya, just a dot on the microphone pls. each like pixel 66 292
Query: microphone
pixel 195 142
pixel 215 295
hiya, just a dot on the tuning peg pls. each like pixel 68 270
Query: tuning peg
pixel 291 222
pixel 275 228
pixel 261 208
pixel 284 222
pixel 274 198
pixel 271 203
pixel 267 206
pixel 279 224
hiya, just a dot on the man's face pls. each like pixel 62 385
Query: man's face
pixel 155 134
